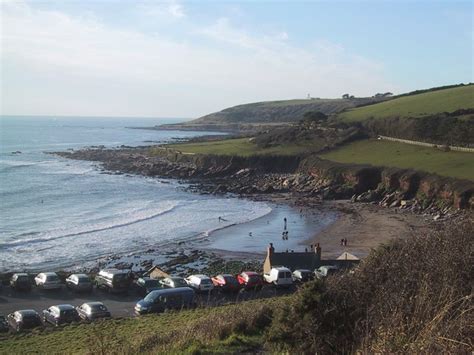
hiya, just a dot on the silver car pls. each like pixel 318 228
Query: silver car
pixel 48 281
pixel 325 270
pixel 93 310
pixel 79 283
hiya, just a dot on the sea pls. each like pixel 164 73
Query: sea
pixel 57 213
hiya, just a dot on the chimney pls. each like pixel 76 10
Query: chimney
pixel 270 250
pixel 318 251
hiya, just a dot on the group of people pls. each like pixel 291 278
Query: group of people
pixel 344 242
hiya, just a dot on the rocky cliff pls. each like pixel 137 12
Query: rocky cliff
pixel 307 175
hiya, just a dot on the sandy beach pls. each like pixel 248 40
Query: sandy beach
pixel 365 226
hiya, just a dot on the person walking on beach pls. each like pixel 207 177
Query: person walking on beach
pixel 342 242
pixel 345 242
pixel 284 220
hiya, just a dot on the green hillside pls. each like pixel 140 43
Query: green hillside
pixel 448 100
pixel 393 154
pixel 239 147
pixel 279 111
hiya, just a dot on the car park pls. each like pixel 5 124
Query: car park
pixel 303 275
pixel 20 282
pixel 279 276
pixel 90 311
pixel 226 283
pixel 200 283
pixel 325 271
pixel 113 280
pixel 3 324
pixel 250 280
pixel 173 282
pixel 60 314
pixel 145 285
pixel 24 319
pixel 79 283
pixel 159 301
pixel 48 281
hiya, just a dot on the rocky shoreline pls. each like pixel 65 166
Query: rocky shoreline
pixel 300 181
pixel 301 176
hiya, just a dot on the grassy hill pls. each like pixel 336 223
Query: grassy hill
pixel 424 104
pixel 392 154
pixel 278 111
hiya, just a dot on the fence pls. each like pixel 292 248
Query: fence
pixel 424 144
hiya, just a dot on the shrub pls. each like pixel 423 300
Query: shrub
pixel 410 296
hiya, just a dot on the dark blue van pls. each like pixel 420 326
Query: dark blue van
pixel 171 298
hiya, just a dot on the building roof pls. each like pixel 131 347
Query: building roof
pixel 347 256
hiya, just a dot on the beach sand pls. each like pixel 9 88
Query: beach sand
pixel 365 226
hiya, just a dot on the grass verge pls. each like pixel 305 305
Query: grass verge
pixel 234 327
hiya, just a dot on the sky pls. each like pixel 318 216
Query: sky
pixel 187 59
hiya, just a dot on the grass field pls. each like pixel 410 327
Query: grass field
pixel 239 146
pixel 393 154
pixel 448 100
pixel 211 328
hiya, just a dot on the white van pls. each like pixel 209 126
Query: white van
pixel 200 283
pixel 279 276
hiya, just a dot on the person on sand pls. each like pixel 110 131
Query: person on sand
pixel 284 220
pixel 345 242
pixel 342 242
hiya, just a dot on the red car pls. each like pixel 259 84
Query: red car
pixel 226 283
pixel 250 280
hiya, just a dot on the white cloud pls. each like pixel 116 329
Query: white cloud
pixel 162 9
pixel 54 63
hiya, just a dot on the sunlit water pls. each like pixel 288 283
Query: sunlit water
pixel 56 212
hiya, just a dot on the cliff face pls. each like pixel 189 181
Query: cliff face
pixel 308 175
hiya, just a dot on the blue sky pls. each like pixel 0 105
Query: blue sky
pixel 186 59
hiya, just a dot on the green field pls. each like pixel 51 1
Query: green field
pixel 448 100
pixel 239 147
pixel 393 154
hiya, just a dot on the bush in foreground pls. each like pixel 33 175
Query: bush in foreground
pixel 409 296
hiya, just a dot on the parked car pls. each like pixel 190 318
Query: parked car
pixel 20 282
pixel 200 283
pixel 113 280
pixel 159 301
pixel 279 276
pixel 250 280
pixel 48 281
pixel 79 283
pixel 173 282
pixel 226 283
pixel 303 275
pixel 93 310
pixel 3 324
pixel 24 319
pixel 146 284
pixel 326 270
pixel 60 314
